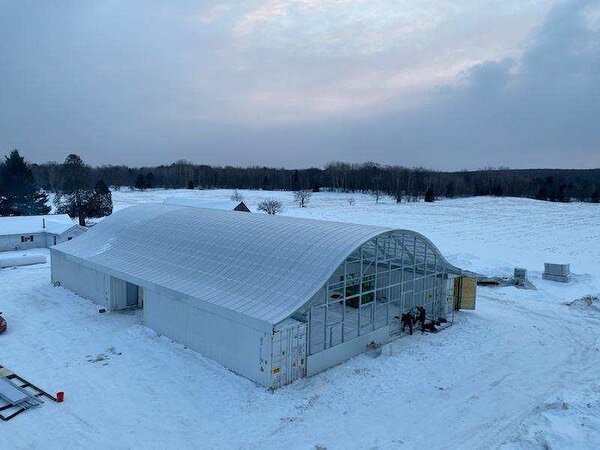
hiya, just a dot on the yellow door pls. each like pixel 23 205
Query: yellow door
pixel 465 292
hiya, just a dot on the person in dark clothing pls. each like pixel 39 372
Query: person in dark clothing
pixel 407 321
pixel 421 316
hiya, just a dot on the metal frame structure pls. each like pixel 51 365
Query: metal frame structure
pixel 9 411
pixel 272 298
pixel 384 278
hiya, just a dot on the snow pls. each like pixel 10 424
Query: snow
pixel 55 223
pixel 226 205
pixel 522 371
pixel 12 259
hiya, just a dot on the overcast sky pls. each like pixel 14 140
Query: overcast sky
pixel 444 84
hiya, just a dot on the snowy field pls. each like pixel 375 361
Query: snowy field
pixel 523 371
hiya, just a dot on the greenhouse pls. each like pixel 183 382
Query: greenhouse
pixel 384 278
pixel 272 298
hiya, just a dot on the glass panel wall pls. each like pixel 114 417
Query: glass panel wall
pixel 383 279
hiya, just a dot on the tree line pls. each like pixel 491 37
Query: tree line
pixel 401 183
pixel 82 191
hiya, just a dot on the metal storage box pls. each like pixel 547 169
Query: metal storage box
pixel 520 273
pixel 557 272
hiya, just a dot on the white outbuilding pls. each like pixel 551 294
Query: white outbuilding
pixel 24 232
pixel 272 298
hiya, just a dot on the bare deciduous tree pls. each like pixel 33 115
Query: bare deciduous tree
pixel 302 197
pixel 376 189
pixel 237 196
pixel 270 206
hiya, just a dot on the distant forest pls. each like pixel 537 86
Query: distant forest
pixel 403 184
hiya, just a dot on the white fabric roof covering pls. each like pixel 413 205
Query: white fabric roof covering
pixel 55 224
pixel 264 267
pixel 226 205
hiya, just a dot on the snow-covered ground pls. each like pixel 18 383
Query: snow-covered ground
pixel 523 371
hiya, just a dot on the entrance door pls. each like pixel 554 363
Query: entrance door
pixel 132 295
pixel 334 334
pixel 123 294
pixel 289 354
pixel 465 292
pixel 140 297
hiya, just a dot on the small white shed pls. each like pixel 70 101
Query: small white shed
pixel 24 232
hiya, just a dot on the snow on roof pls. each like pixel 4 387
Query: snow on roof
pixel 261 266
pixel 226 205
pixel 54 224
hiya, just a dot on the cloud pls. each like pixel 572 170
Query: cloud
pixel 446 84
pixel 309 60
pixel 214 13
pixel 534 110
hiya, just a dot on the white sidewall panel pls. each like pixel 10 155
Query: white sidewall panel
pixel 339 353
pixel 242 349
pixel 85 282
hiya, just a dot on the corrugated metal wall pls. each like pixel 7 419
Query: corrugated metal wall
pixel 244 350
pixel 118 293
pixel 288 353
pixel 85 282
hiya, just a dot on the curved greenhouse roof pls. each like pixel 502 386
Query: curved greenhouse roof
pixel 263 267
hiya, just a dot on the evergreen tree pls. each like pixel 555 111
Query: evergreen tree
pixel 429 195
pixel 449 190
pixel 562 194
pixel 190 184
pixel 100 203
pixel 150 180
pixel 19 193
pixel 497 191
pixel 75 193
pixel 140 182
pixel 596 196
pixel 295 181
pixel 265 183
pixel 542 193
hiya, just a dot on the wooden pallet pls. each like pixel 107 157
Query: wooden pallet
pixel 9 411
